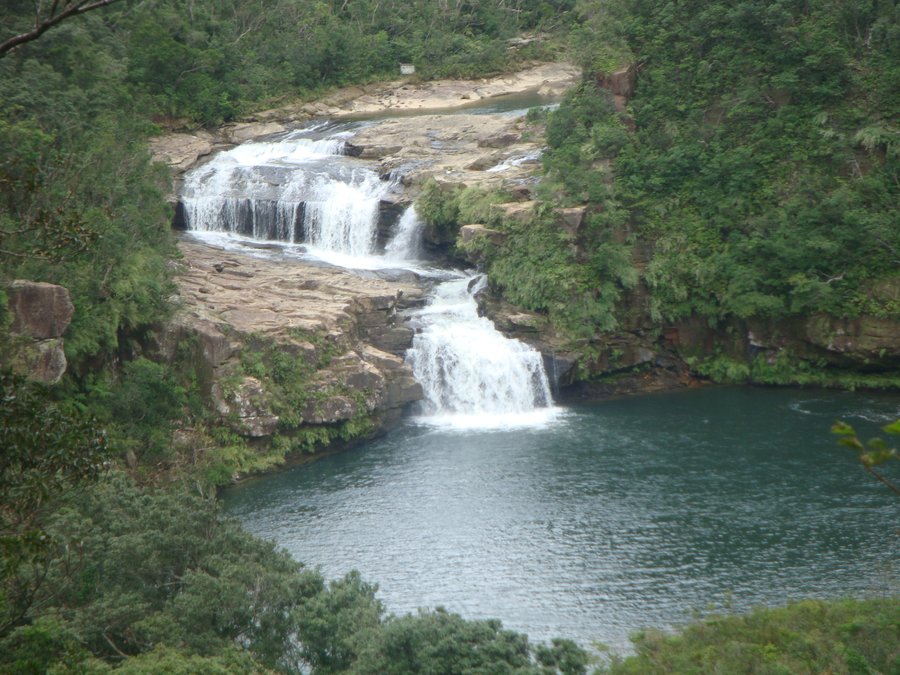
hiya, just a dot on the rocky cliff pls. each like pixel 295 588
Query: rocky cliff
pixel 246 320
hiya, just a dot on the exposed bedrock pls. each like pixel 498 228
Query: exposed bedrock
pixel 342 335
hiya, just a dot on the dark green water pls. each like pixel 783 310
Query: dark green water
pixel 619 515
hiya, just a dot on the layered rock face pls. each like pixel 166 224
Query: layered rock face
pixel 341 332
pixel 41 313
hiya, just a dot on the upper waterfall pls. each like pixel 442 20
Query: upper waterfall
pixel 294 189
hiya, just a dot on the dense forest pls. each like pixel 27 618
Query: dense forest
pixel 752 176
pixel 749 185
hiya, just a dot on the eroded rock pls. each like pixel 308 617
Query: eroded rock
pixel 344 330
pixel 864 339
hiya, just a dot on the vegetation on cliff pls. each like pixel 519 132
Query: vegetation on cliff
pixel 740 166
pixel 764 161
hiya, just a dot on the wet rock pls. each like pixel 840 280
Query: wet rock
pixel 246 131
pixel 394 339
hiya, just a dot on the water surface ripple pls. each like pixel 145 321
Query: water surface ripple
pixel 619 515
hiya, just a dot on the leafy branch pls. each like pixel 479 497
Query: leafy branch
pixel 873 452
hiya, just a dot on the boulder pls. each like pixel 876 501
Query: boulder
pixel 520 212
pixel 401 386
pixel 214 346
pixel 39 310
pixel 502 139
pixel 329 410
pixel 571 219
pixel 620 82
pixel 41 361
pixel 181 151
pixel 391 339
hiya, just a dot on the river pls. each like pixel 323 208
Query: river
pixel 606 518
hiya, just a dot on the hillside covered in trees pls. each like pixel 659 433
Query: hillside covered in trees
pixel 736 165
pixel 746 182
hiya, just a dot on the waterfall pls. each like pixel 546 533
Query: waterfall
pixel 293 190
pixel 341 214
pixel 304 189
pixel 471 374
pixel 405 244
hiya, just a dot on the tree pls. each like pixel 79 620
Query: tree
pixel 48 14
pixel 47 453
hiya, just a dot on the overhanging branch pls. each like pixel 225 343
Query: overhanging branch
pixel 59 12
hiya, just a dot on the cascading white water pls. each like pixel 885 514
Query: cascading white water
pixel 341 214
pixel 406 243
pixel 300 190
pixel 292 190
pixel 512 162
pixel 471 374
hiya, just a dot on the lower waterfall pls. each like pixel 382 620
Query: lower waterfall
pixel 472 375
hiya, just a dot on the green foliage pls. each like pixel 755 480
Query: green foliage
pixel 812 636
pixel 333 626
pixel 205 61
pixel 143 403
pixel 720 368
pixel 159 582
pixel 82 205
pixel 48 451
pixel 164 569
pixel 440 642
pixel 287 374
pixel 438 206
pixel 563 656
pixel 764 164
